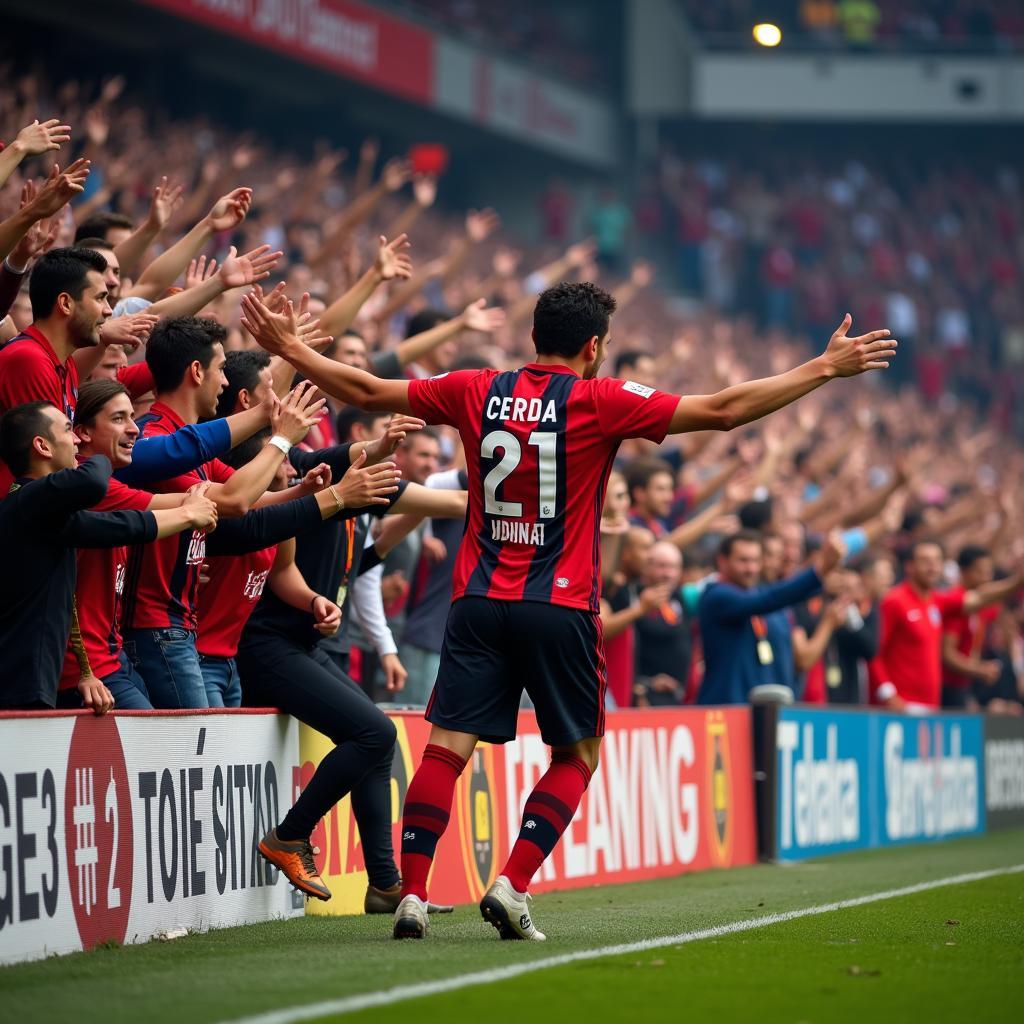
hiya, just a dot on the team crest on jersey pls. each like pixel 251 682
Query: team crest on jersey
pixel 254 584
pixel 562 582
pixel 196 548
pixel 637 389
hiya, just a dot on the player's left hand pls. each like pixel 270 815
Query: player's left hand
pixel 851 356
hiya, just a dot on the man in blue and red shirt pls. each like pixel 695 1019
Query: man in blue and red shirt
pixel 540 442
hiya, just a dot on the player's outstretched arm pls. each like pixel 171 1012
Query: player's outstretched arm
pixel 277 333
pixel 844 357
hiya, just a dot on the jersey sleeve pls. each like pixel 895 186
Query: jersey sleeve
pixel 24 378
pixel 627 409
pixel 219 472
pixel 121 498
pixel 137 378
pixel 951 604
pixel 441 399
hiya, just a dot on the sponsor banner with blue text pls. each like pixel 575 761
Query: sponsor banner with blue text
pixel 848 780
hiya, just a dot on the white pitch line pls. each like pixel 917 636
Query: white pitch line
pixel 403 993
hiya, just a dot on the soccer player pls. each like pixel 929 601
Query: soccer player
pixel 540 442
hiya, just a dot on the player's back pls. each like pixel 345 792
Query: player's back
pixel 540 443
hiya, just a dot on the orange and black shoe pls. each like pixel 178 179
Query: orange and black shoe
pixel 295 859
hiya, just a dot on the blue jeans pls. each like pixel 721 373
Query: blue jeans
pixel 168 661
pixel 223 685
pixel 128 687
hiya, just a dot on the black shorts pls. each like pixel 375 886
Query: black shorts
pixel 493 650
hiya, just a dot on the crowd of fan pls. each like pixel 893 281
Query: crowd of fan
pixel 934 252
pixel 767 555
pixel 904 25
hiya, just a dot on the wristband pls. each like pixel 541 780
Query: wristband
pixel 337 500
pixel 8 266
pixel 282 444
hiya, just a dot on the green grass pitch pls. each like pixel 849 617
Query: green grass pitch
pixel 950 954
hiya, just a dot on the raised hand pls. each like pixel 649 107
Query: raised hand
pixel 581 253
pixel 199 271
pixel 506 261
pixel 481 224
pixel 850 356
pixel 273 331
pixel 642 274
pixel 368 485
pixel 130 331
pixel 230 210
pixel 201 510
pixel 298 412
pixel 398 429
pixel 41 137
pixel 97 127
pixel 166 199
pixel 424 190
pixel 60 189
pixel 393 258
pixel 831 553
pixel 238 271
pixel 397 171
pixel 316 479
pixel 477 316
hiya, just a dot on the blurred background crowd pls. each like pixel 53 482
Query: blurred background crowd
pixel 732 255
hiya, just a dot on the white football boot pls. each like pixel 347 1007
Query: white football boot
pixel 506 909
pixel 411 919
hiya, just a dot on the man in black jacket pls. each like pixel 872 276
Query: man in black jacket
pixel 42 521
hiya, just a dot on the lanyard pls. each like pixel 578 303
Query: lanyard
pixel 759 626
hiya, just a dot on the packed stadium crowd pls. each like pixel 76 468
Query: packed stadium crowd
pixel 978 26
pixel 230 535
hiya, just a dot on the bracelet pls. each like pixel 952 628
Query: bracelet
pixel 282 444
pixel 339 502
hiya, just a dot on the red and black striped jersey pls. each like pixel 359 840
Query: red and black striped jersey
pixel 540 443
pixel 163 577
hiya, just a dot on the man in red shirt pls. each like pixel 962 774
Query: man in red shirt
pixel 964 636
pixel 907 672
pixel 186 357
pixel 540 443
pixel 104 426
pixel 69 306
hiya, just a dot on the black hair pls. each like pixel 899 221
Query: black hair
pixel 568 315
pixel 756 515
pixel 176 344
pixel 971 553
pixel 741 537
pixel 627 360
pixel 94 243
pixel 100 223
pixel 18 428
pixel 425 320
pixel 641 472
pixel 242 369
pixel 350 416
pixel 60 271
pixel 93 395
pixel 908 551
pixel 242 454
